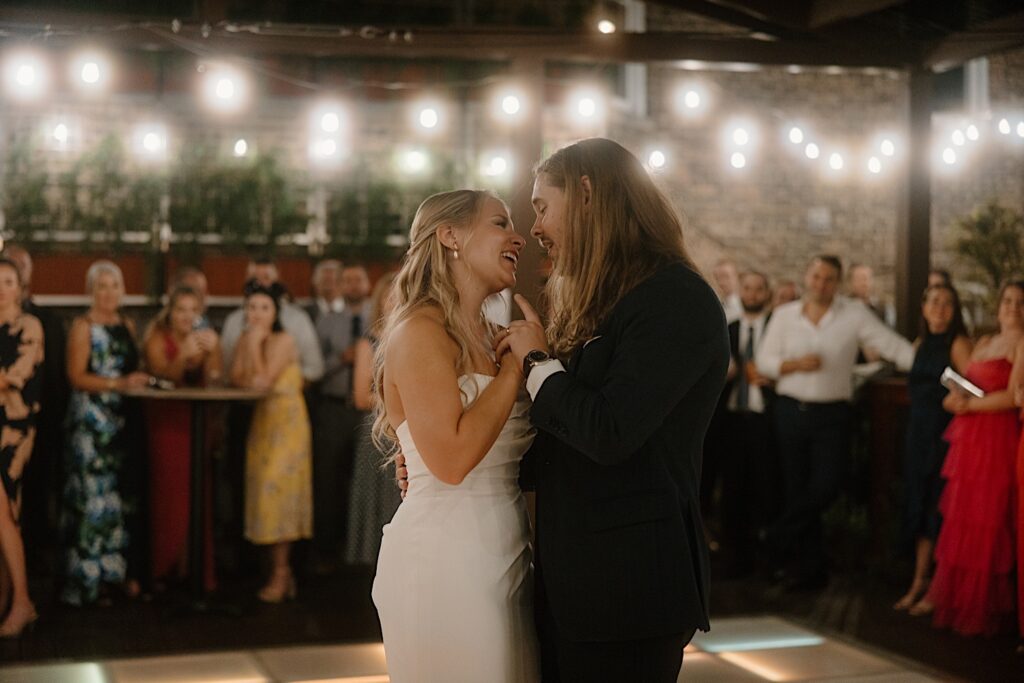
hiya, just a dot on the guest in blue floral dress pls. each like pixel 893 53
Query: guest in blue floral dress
pixel 100 496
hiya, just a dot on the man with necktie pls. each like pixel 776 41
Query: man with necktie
pixel 749 468
pixel 336 417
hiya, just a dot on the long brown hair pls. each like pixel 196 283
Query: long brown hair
pixel 627 231
pixel 425 280
pixel 162 321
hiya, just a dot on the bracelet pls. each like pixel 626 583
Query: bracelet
pixel 111 384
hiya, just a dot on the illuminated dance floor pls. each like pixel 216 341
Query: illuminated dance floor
pixel 738 649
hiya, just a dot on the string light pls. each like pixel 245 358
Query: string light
pixel 606 26
pixel 90 71
pixel 414 161
pixel 225 89
pixel 874 165
pixel 796 136
pixel 1004 126
pixel 428 118
pixel 241 147
pixel 949 156
pixel 656 160
pixel 740 137
pixel 150 141
pixel 495 165
pixel 26 75
pixel 330 122
pixel 1020 129
pixel 888 147
pixel 738 160
pixel 812 151
pixel 835 161
pixel 972 132
pixel 60 133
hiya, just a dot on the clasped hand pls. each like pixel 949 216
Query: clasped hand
pixel 521 336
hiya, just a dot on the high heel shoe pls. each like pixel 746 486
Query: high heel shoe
pixel 278 589
pixel 11 629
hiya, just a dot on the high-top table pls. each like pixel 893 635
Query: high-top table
pixel 197 398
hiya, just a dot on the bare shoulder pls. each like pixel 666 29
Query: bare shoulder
pixel 963 343
pixel 281 342
pixel 79 327
pixel 31 325
pixel 420 336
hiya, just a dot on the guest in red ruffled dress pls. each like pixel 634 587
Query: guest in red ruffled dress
pixel 973 588
pixel 179 349
pixel 1017 382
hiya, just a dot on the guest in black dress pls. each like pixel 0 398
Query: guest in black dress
pixel 21 353
pixel 943 342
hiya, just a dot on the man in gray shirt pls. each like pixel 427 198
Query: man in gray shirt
pixel 336 419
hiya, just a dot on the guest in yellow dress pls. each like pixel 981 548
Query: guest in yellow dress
pixel 278 471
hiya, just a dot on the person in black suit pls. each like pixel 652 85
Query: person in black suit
pixel 622 566
pixel 750 469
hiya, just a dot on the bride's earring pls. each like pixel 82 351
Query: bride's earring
pixel 455 251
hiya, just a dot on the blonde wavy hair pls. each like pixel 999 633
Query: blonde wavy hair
pixel 627 232
pixel 426 280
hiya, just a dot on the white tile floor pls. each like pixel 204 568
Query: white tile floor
pixel 738 650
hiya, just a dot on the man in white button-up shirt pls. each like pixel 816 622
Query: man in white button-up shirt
pixel 809 348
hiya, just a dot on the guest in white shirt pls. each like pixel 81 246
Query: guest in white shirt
pixel 810 348
pixel 726 285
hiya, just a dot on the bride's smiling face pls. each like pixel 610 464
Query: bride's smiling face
pixel 490 247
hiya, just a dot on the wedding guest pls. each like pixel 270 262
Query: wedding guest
pixel 785 291
pixel 178 352
pixel 231 471
pixel 809 348
pixel 750 468
pixel 194 279
pixel 972 590
pixel 41 482
pixel 278 488
pixel 327 296
pixel 336 419
pixel 101 491
pixel 726 281
pixel 293 319
pixel 21 355
pixel 374 498
pixel 1017 383
pixel 942 343
pixel 861 283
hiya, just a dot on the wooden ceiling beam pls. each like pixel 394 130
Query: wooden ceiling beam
pixel 485 44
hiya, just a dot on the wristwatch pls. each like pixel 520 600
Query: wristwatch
pixel 533 359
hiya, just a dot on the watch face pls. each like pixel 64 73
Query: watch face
pixel 537 356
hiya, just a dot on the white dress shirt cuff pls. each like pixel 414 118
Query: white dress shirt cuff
pixel 541 373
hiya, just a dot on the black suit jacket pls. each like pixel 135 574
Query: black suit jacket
pixel 767 392
pixel 616 465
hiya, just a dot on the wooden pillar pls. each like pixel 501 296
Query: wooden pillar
pixel 527 150
pixel 913 238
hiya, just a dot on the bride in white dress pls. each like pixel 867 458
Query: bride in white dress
pixel 454 581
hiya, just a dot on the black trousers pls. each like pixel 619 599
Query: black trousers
pixel 334 430
pixel 650 660
pixel 814 446
pixel 751 485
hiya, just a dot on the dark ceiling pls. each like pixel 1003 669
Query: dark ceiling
pixel 906 33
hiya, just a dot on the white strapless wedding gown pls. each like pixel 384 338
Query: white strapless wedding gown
pixel 454 585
